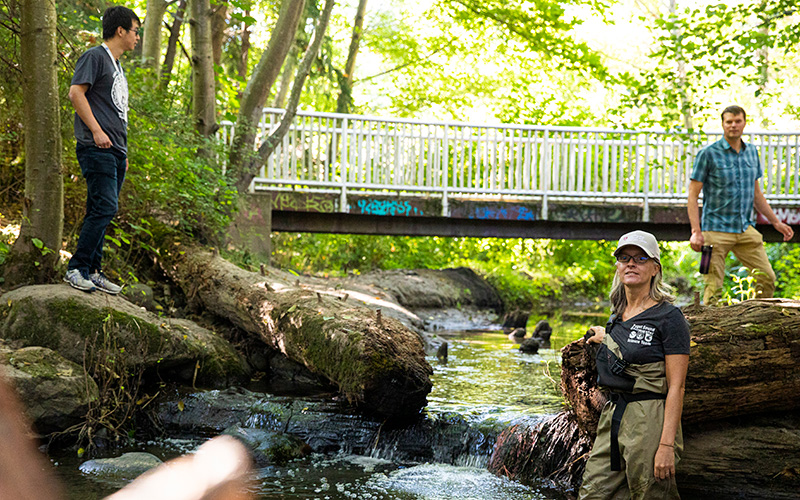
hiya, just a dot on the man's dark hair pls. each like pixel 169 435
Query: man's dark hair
pixel 118 17
pixel 735 111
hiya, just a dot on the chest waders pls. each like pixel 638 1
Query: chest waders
pixel 621 400
pixel 611 369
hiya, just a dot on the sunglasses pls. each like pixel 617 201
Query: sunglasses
pixel 641 259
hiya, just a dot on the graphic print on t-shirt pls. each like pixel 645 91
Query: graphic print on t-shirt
pixel 119 94
pixel 641 334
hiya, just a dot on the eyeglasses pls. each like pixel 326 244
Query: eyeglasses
pixel 135 30
pixel 640 259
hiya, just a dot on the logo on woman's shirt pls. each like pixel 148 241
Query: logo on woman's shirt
pixel 641 334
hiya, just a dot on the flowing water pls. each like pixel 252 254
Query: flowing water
pixel 486 383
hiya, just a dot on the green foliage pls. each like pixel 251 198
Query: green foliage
pixel 506 59
pixel 744 288
pixel 786 264
pixel 702 50
pixel 168 182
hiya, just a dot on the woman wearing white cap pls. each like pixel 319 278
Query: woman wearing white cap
pixel 642 360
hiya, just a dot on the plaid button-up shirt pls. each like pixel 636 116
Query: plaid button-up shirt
pixel 728 181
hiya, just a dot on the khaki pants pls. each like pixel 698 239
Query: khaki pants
pixel 639 435
pixel 748 247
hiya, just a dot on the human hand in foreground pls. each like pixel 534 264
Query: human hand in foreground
pixel 664 462
pixel 25 473
pixel 219 470
pixel 595 334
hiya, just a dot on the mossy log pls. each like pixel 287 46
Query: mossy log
pixel 376 362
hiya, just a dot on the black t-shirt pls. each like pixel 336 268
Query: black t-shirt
pixel 107 96
pixel 652 334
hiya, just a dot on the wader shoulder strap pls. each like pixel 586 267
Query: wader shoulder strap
pixel 621 400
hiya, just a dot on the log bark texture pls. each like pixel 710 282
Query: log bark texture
pixel 552 451
pixel 375 361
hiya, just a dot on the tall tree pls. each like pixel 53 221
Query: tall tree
pixel 262 79
pixel 203 87
pixel 287 75
pixel 251 166
pixel 151 36
pixel 172 43
pixel 686 106
pixel 241 67
pixel 36 249
pixel 219 21
pixel 345 101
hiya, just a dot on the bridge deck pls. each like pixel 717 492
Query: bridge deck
pixel 342 173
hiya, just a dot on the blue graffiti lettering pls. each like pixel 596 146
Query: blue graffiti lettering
pixel 387 207
pixel 493 213
pixel 526 213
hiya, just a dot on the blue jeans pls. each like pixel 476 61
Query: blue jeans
pixel 104 171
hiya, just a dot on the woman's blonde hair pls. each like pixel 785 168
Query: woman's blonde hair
pixel 658 291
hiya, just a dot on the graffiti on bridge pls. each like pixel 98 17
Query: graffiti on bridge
pixel 388 207
pixel 508 212
pixel 595 213
pixel 303 202
pixel 789 216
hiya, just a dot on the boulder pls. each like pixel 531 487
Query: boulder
pixel 518 333
pixel 529 346
pixel 55 391
pixel 542 330
pixel 77 324
pixel 120 470
pixel 269 447
pixel 431 288
pixel 515 319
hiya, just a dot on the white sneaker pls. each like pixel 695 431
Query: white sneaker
pixel 102 283
pixel 77 280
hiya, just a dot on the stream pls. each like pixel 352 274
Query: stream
pixel 485 385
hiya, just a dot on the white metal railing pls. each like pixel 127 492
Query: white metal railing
pixel 328 152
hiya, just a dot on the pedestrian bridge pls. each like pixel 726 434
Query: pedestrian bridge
pixel 375 175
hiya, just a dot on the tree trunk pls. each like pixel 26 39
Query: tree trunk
pixel 203 89
pixel 36 250
pixel 680 81
pixel 376 362
pixel 172 44
pixel 345 101
pixel 151 39
pixel 251 166
pixel 241 69
pixel 287 75
pixel 264 75
pixel 219 21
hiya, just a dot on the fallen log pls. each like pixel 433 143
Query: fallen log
pixel 745 359
pixel 741 420
pixel 376 362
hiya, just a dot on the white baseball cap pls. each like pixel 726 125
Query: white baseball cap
pixel 642 239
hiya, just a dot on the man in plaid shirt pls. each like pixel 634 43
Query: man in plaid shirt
pixel 728 173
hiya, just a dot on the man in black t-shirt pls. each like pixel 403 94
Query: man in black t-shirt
pixel 99 94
